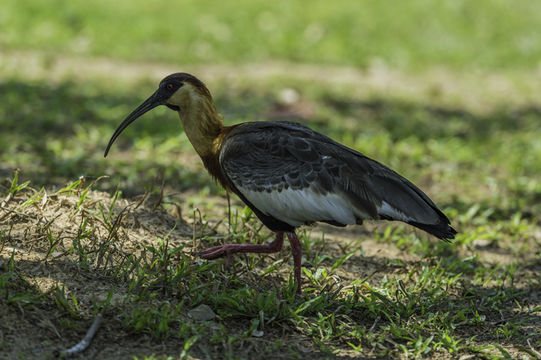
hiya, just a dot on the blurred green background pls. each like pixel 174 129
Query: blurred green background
pixel 409 35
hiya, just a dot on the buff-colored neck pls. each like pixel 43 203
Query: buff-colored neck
pixel 202 124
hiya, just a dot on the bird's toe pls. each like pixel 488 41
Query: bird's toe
pixel 213 252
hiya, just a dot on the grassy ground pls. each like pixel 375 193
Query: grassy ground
pixel 413 34
pixel 74 244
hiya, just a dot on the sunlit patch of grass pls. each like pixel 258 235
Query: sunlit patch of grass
pixel 424 309
pixel 359 34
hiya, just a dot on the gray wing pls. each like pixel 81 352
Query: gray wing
pixel 299 176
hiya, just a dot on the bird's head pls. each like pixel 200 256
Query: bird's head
pixel 177 91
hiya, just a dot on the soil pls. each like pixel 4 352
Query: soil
pixel 41 330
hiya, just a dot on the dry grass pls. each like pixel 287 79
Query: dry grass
pixel 70 254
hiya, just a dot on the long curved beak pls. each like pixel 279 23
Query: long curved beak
pixel 154 100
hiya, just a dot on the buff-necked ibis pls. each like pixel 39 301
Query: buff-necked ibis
pixel 288 174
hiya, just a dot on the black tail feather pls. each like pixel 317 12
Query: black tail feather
pixel 442 231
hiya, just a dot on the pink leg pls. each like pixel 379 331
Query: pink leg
pixel 296 250
pixel 228 249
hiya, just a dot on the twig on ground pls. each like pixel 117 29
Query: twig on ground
pixel 537 353
pixel 83 344
pixel 10 211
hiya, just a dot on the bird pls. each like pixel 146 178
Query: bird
pixel 288 174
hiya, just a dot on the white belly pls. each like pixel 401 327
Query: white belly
pixel 298 207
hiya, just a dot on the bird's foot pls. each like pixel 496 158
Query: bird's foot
pixel 217 252
pixel 214 252
pixel 228 249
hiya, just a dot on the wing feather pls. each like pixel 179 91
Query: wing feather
pixel 298 176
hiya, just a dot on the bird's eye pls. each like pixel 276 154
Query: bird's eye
pixel 169 86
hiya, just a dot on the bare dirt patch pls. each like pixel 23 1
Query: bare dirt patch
pixel 64 250
pixel 67 243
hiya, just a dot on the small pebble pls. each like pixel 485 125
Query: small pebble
pixel 202 313
pixel 481 243
pixel 258 333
